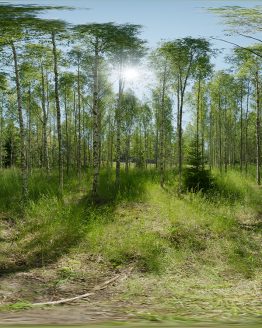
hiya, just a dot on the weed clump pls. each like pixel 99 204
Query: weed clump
pixel 189 236
pixel 120 246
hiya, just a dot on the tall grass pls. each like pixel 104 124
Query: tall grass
pixel 10 189
pixel 133 185
pixel 139 222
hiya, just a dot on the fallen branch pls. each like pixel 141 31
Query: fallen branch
pixel 71 299
pixel 64 300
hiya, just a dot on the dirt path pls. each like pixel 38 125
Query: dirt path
pixel 81 313
pixel 35 286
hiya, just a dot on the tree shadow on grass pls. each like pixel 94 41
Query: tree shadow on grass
pixel 51 227
pixel 255 227
pixel 39 254
pixel 50 230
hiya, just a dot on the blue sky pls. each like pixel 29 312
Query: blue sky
pixel 161 19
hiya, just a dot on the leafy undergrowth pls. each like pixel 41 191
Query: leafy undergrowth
pixel 195 256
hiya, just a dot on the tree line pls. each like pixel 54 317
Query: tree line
pixel 60 112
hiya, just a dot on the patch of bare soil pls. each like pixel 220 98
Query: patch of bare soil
pixel 81 313
pixel 67 279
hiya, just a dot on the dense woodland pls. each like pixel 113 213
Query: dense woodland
pixel 150 204
pixel 59 110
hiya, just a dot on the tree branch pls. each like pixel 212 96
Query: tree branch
pixel 237 45
pixel 96 288
pixel 250 37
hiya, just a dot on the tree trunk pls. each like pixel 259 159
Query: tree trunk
pixel 146 146
pixel 198 117
pixel 127 151
pixel 118 124
pixel 258 128
pixel 96 125
pixel 157 143
pixel 21 128
pixel 220 135
pixel 44 122
pixel 84 127
pixel 178 115
pixel 29 150
pixel 246 129
pixel 67 134
pixel 241 128
pixel 162 114
pixel 181 89
pixel 180 144
pixel 1 132
pixel 225 138
pixel 112 145
pixel 109 141
pixel 58 113
pixel 210 150
pixel 79 125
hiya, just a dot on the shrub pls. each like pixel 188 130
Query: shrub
pixel 196 176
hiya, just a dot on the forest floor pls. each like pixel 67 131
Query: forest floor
pixel 155 258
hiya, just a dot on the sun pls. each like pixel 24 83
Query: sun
pixel 130 73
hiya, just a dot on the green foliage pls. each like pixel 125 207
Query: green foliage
pixel 18 306
pixel 9 192
pixel 143 225
pixel 132 185
pixel 121 246
pixel 66 273
pixel 39 185
pixel 248 19
pixel 240 256
pixel 232 187
pixel 196 176
pixel 53 228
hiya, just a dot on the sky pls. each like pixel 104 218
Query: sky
pixel 161 19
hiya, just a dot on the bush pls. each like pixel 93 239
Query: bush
pixel 196 177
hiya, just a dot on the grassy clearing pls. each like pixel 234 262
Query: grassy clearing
pixel 198 255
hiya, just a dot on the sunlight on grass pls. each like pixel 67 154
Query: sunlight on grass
pixel 190 249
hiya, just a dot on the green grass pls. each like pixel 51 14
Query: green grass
pixel 139 222
pixel 196 237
